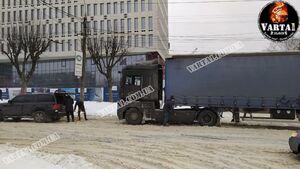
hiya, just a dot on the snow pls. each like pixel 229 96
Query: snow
pixel 3 101
pixel 38 160
pixel 101 109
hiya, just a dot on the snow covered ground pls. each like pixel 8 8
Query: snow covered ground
pixel 39 160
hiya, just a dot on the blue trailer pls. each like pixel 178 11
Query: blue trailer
pixel 246 82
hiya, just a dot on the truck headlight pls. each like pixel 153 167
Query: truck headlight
pixel 294 134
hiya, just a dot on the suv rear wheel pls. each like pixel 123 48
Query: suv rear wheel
pixel 40 117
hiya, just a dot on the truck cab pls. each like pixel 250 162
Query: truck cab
pixel 136 78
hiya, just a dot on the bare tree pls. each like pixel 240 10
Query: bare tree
pixel 24 48
pixel 106 54
pixel 292 44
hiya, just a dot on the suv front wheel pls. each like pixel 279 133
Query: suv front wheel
pixel 40 117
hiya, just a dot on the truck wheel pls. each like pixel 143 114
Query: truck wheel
pixel 207 118
pixel 40 117
pixel 133 116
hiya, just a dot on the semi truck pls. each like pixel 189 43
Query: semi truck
pixel 240 82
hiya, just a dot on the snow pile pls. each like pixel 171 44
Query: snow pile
pixel 101 109
pixel 39 160
pixel 3 101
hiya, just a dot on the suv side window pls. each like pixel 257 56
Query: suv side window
pixel 19 99
pixel 46 98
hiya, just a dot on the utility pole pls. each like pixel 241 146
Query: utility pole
pixel 83 48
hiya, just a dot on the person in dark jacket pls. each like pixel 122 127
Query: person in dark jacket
pixel 168 109
pixel 1 94
pixel 81 108
pixel 69 107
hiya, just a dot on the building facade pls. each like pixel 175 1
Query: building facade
pixel 141 24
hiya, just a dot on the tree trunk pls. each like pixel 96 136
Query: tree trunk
pixel 24 87
pixel 110 85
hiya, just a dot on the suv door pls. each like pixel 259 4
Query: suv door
pixel 14 107
pixel 29 104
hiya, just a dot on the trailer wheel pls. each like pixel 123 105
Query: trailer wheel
pixel 207 118
pixel 133 116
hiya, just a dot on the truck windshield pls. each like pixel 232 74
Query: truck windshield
pixel 133 80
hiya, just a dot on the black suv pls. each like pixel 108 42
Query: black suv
pixel 42 107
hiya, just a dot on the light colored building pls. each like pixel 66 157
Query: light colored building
pixel 142 24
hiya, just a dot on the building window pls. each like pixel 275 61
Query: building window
pixel 150 3
pixel 95 10
pixel 82 10
pixel 122 39
pixel 122 7
pixel 3 17
pixel 108 26
pixel 69 29
pixel 44 30
pixel 88 11
pixel 129 41
pixel 20 15
pixel 50 13
pixel 44 13
pixel 56 47
pixel 143 40
pixel 115 7
pixel 32 14
pixel 63 29
pixel 62 12
pixel 142 5
pixel 150 40
pixel 143 24
pixel 95 26
pixel 122 25
pixel 128 6
pixel 15 16
pixel 63 45
pixel 56 29
pixel 69 11
pixel 129 24
pixel 56 12
pixel 108 8
pixel 101 9
pixel 38 14
pixel 69 45
pixel 136 41
pixel 150 22
pixel 76 44
pixel 136 24
pixel 76 28
pixel 50 29
pixel 75 10
pixel 63 63
pixel 135 6
pixel 102 26
pixel 115 26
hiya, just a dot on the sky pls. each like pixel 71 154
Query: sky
pixel 206 26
